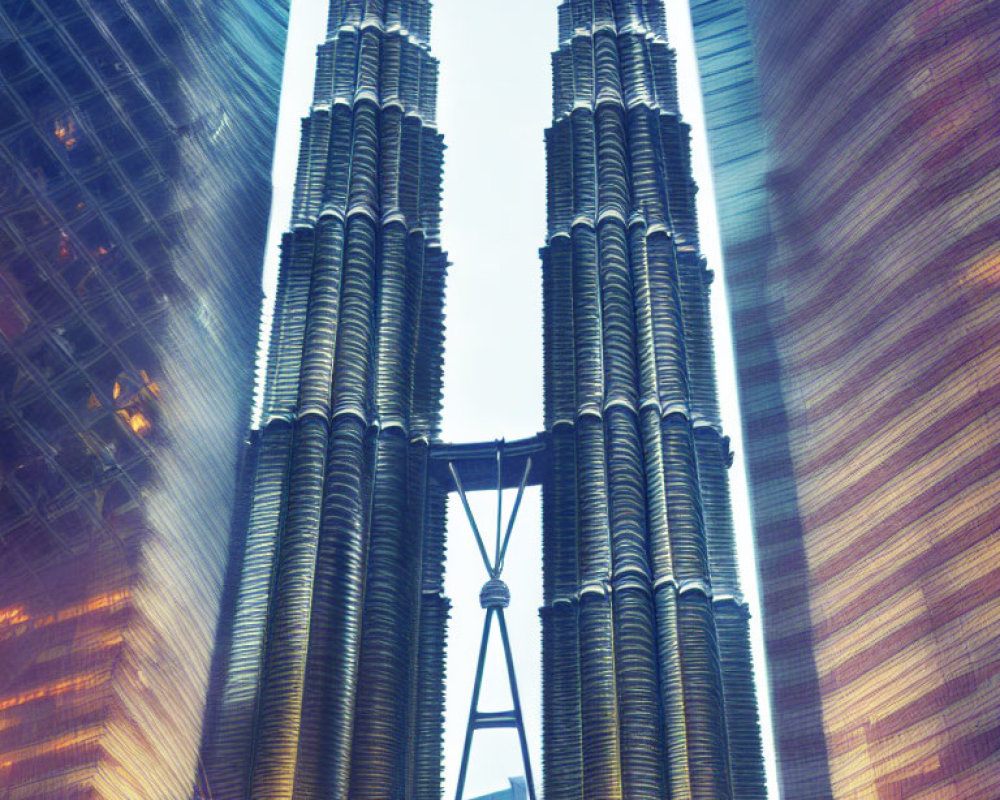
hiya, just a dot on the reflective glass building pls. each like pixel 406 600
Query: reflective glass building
pixel 864 278
pixel 135 150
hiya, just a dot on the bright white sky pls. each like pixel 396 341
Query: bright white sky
pixel 493 109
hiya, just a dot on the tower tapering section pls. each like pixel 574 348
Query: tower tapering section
pixel 648 690
pixel 329 674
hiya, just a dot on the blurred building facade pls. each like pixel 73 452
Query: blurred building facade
pixel 863 272
pixel 135 150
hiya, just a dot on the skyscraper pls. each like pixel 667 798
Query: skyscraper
pixel 648 689
pixel 321 677
pixel 330 673
pixel 864 304
pixel 135 148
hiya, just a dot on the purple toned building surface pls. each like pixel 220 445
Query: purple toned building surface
pixel 866 317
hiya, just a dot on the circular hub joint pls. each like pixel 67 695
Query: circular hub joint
pixel 494 594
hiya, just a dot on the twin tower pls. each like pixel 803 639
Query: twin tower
pixel 329 671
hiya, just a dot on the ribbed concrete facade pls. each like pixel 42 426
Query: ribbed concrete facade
pixel 330 676
pixel 865 318
pixel 647 682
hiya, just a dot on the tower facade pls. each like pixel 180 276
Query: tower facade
pixel 330 673
pixel 862 263
pixel 135 151
pixel 648 690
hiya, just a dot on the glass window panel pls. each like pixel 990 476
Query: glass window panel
pixel 64 9
pixel 24 15
pixel 61 61
pixel 69 201
pixel 74 527
pixel 151 125
pixel 80 339
pixel 46 359
pixel 143 174
pixel 32 543
pixel 127 217
pixel 132 41
pixel 39 95
pixel 96 49
pixel 46 420
pixel 13 61
pixel 9 115
pixel 10 509
pixel 34 156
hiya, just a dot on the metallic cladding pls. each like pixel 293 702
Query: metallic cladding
pixel 865 323
pixel 329 675
pixel 135 149
pixel 647 681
